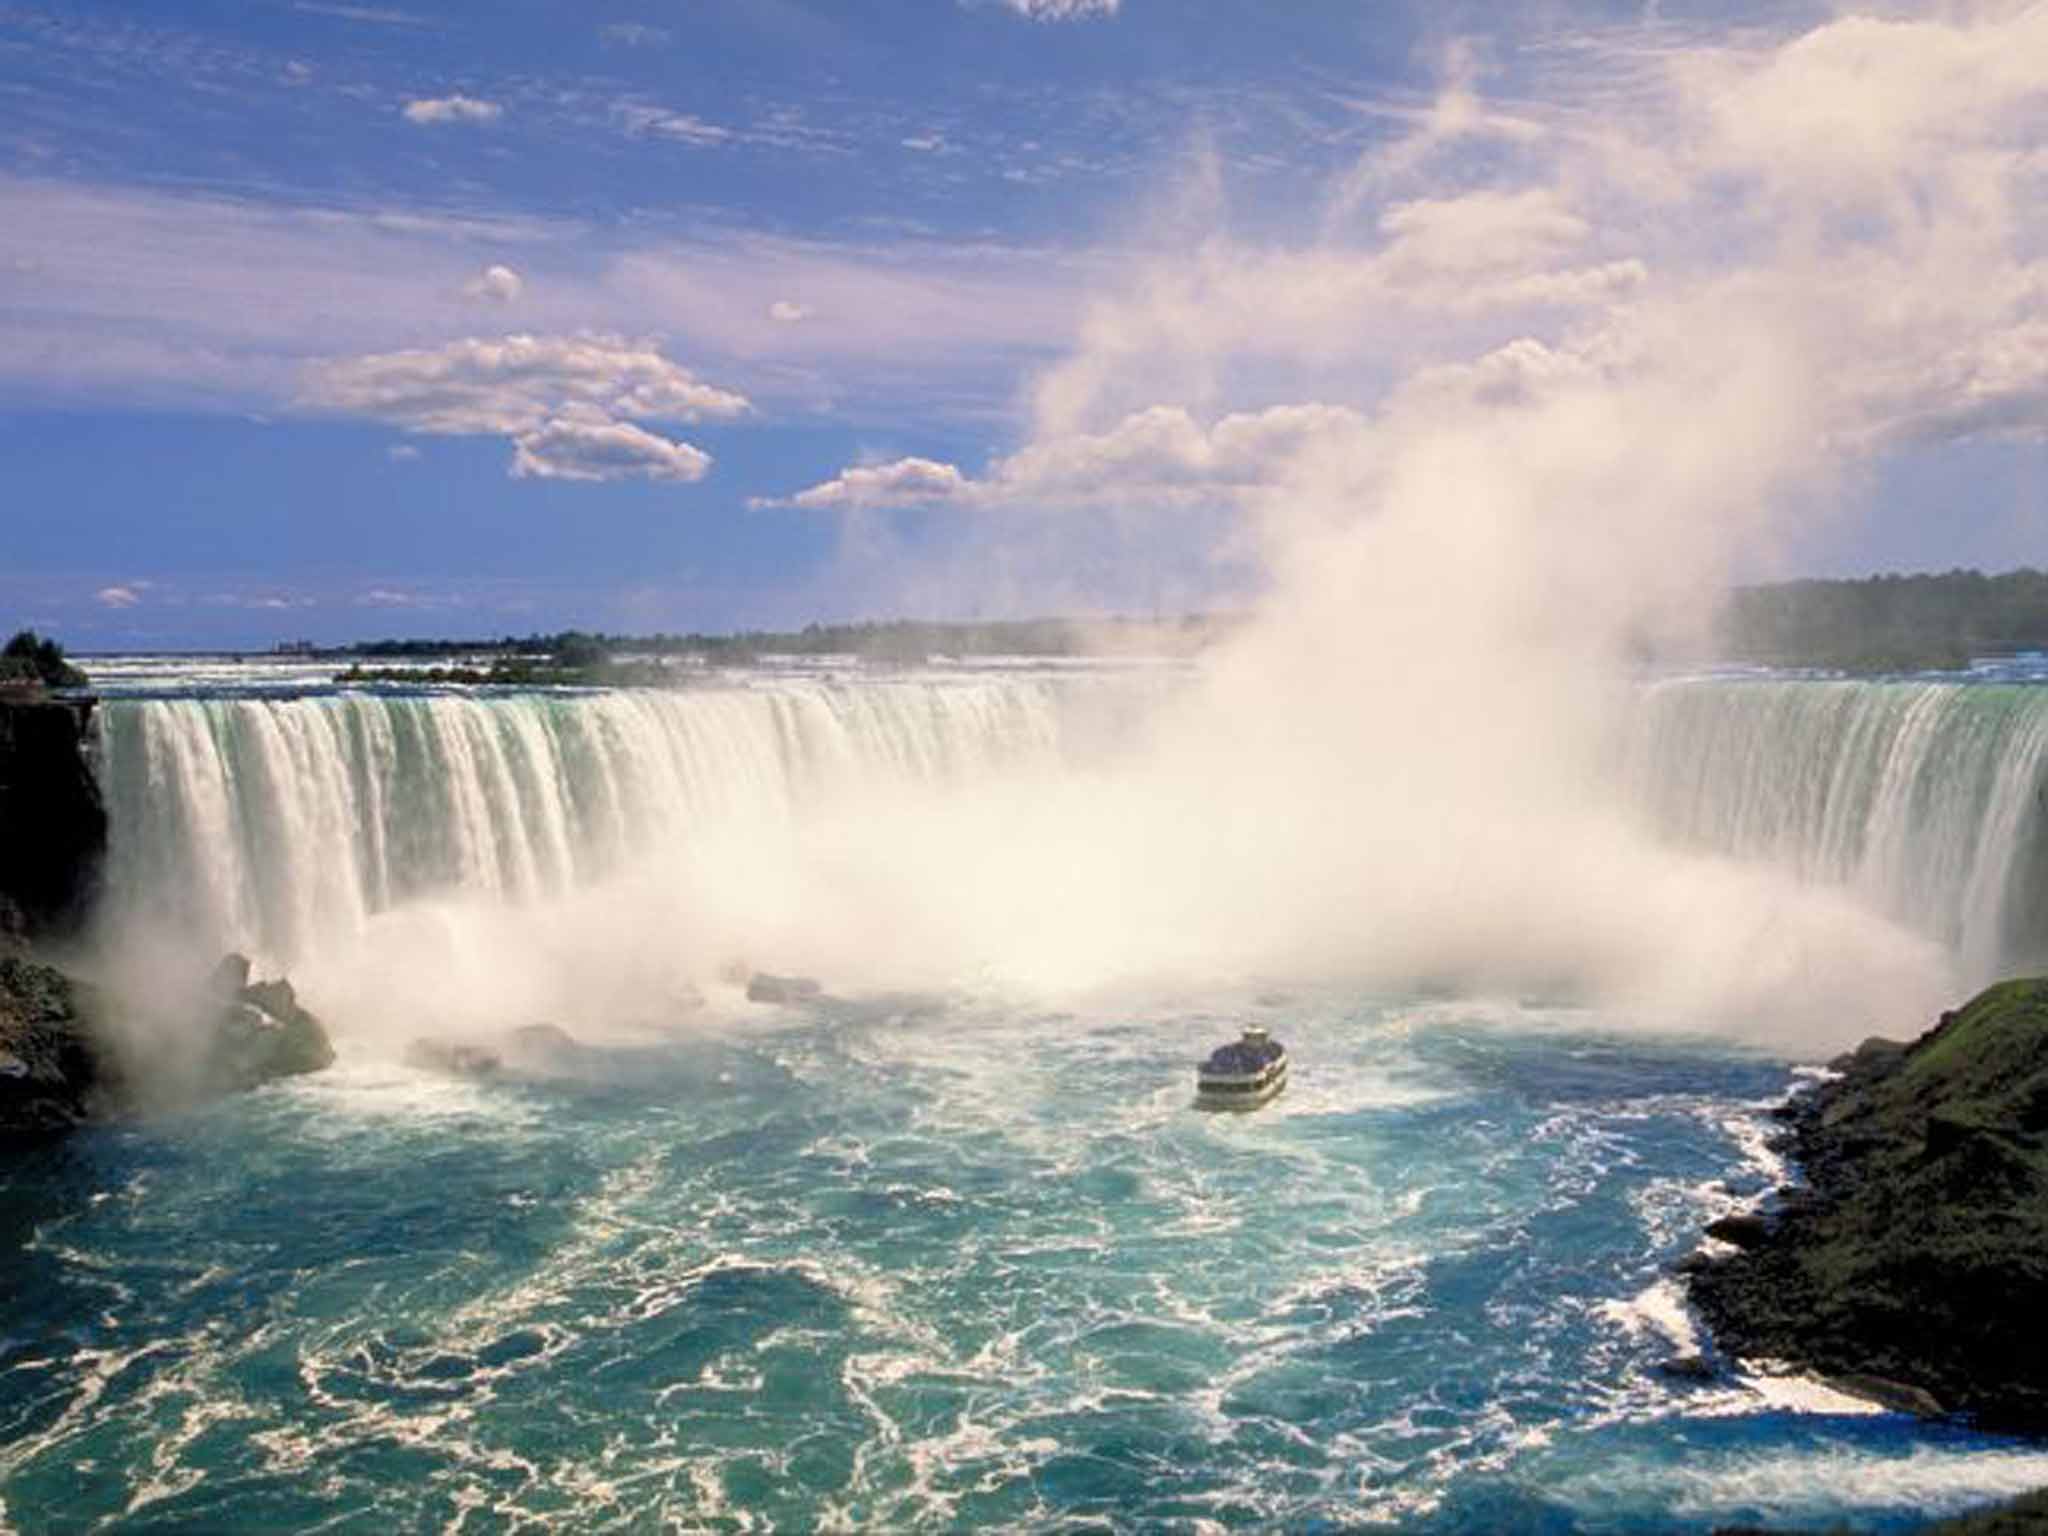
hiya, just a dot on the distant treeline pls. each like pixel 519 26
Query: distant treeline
pixel 577 657
pixel 1887 623
pixel 902 640
pixel 1875 624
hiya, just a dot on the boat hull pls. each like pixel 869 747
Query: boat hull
pixel 1241 1093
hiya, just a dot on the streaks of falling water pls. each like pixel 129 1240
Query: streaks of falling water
pixel 266 823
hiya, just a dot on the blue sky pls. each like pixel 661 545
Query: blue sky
pixel 334 319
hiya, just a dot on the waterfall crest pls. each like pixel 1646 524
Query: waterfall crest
pixel 267 823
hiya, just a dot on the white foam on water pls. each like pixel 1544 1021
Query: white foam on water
pixel 1792 1392
pixel 1792 1485
pixel 1659 1311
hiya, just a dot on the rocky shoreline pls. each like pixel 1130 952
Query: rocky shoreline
pixel 1911 1265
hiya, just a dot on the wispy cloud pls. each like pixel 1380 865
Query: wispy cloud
pixel 373 15
pixel 126 295
pixel 433 110
pixel 635 34
pixel 1061 10
pixel 641 120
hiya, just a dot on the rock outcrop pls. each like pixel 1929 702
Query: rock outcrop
pixel 59 1070
pixel 765 988
pixel 531 1051
pixel 1912 1265
pixel 259 1033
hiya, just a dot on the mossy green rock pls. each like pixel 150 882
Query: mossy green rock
pixel 1916 1256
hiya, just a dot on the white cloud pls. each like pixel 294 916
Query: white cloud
pixel 924 143
pixel 565 401
pixel 569 448
pixel 497 283
pixel 1158 456
pixel 514 384
pixel 402 453
pixel 787 312
pixel 452 109
pixel 906 482
pixel 118 597
pixel 1061 10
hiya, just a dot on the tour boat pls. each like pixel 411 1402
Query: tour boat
pixel 1243 1074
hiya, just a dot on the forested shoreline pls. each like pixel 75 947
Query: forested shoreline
pixel 1886 623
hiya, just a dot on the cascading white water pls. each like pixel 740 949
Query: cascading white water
pixel 1923 798
pixel 279 825
pixel 269 824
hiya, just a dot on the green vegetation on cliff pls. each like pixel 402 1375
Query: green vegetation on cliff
pixel 30 658
pixel 1914 1263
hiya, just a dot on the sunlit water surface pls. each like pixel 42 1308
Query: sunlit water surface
pixel 933 1264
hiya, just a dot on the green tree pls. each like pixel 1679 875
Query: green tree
pixel 29 657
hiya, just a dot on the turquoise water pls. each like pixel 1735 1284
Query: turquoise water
pixel 930 1265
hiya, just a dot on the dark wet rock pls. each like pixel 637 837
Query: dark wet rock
pixel 53 826
pixel 1687 1368
pixel 1694 1262
pixel 531 1051
pixel 457 1058
pixel 764 988
pixel 51 1076
pixel 1915 1258
pixel 1900 1396
pixel 543 1039
pixel 262 1033
pixel 1743 1230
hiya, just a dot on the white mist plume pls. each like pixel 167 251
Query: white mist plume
pixel 1578 375
pixel 1396 772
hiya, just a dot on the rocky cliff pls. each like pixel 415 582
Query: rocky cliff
pixel 1913 1262
pixel 53 828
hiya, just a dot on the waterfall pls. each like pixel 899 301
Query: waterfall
pixel 266 823
pixel 1923 798
pixel 270 824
